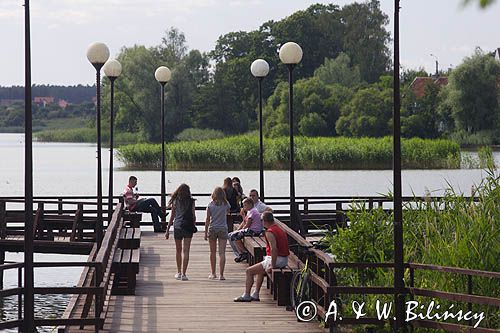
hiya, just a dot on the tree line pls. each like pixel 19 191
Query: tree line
pixel 343 84
pixel 73 94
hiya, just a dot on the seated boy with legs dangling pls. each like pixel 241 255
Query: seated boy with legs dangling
pixel 251 226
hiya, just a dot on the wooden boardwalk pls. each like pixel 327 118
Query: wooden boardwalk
pixel 163 304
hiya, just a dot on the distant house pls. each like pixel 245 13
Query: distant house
pixel 62 103
pixel 9 102
pixel 418 85
pixel 43 100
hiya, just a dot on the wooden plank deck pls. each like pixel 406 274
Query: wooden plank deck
pixel 163 304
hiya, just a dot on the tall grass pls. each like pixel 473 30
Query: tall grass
pixel 242 152
pixel 87 135
pixel 451 231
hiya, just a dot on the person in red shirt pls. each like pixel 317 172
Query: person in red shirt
pixel 134 204
pixel 277 257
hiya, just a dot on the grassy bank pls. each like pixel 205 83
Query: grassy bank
pixel 85 134
pixel 452 231
pixel 242 153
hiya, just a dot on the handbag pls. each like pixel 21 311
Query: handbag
pixel 188 221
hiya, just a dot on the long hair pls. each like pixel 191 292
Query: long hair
pixel 219 196
pixel 182 194
pixel 227 183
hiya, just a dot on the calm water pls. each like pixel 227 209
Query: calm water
pixel 69 169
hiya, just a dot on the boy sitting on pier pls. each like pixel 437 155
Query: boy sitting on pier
pixel 276 257
pixel 134 204
pixel 251 226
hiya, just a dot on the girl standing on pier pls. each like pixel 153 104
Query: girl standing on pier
pixel 216 229
pixel 183 211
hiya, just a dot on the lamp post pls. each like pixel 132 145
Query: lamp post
pixel 399 289
pixel 291 54
pixel 29 300
pixel 260 69
pixel 98 54
pixel 437 64
pixel 112 69
pixel 163 75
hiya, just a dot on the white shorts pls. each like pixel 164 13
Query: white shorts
pixel 280 262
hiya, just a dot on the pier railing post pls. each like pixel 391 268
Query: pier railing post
pixel 3 229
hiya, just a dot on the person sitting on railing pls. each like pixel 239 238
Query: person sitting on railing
pixel 134 204
pixel 276 257
pixel 251 226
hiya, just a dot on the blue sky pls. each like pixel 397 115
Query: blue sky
pixel 62 30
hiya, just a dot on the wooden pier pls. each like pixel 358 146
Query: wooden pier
pixel 164 304
pixel 141 264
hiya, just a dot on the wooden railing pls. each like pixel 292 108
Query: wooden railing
pixel 94 286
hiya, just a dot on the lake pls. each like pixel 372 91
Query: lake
pixel 70 169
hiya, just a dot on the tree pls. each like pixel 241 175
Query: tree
pixel 339 70
pixel 419 117
pixel 368 113
pixel 473 93
pixel 482 3
pixel 365 38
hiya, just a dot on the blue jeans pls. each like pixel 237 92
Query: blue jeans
pixel 239 235
pixel 150 206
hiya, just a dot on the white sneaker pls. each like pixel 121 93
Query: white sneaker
pixel 184 278
pixel 178 276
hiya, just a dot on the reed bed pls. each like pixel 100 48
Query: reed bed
pixel 242 153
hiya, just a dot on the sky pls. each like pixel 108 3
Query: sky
pixel 61 30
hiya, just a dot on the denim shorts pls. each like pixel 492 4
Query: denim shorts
pixel 240 234
pixel 181 233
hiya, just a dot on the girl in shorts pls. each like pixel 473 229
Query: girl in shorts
pixel 216 230
pixel 182 205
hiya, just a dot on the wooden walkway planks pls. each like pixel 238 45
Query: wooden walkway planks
pixel 163 304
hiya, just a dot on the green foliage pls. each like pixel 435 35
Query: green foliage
pixel 241 152
pixel 339 71
pixel 368 113
pixel 450 231
pixel 419 117
pixel 197 134
pixel 482 3
pixel 480 138
pixel 476 76
pixel 88 135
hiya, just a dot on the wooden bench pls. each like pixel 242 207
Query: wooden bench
pixel 256 247
pixel 125 266
pixel 129 238
pixel 279 281
pixel 133 219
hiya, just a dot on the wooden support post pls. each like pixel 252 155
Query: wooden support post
pixel 38 221
pixel 3 229
pixel 59 206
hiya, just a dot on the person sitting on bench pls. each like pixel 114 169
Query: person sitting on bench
pixel 134 204
pixel 251 226
pixel 276 257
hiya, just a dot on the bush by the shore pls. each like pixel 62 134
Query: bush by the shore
pixel 242 153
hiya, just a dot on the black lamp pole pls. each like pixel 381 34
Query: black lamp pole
pixel 29 300
pixel 111 133
pixel 261 142
pixel 163 181
pixel 99 226
pixel 293 219
pixel 398 208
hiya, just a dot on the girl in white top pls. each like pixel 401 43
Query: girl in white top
pixel 216 229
